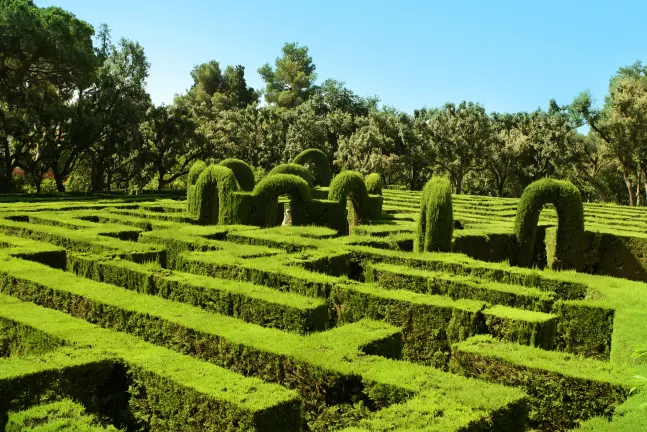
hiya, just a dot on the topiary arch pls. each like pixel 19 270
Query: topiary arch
pixel 350 186
pixel 194 172
pixel 242 171
pixel 293 169
pixel 319 160
pixel 436 220
pixel 374 184
pixel 212 196
pixel 566 198
pixel 268 190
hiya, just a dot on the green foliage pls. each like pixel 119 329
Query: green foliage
pixel 565 250
pixel 293 169
pixel 291 81
pixel 436 219
pixel 349 186
pixel 320 161
pixel 271 187
pixel 213 196
pixel 56 416
pixel 374 184
pixel 242 171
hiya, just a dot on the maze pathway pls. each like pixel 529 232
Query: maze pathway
pixel 127 315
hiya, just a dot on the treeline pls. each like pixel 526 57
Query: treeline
pixel 75 116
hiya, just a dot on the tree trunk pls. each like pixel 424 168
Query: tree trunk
pixel 58 178
pixel 630 188
pixel 160 179
pixel 458 183
pixel 500 186
pixel 5 176
pixel 638 189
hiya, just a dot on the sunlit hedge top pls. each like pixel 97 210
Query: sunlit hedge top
pixel 294 169
pixel 319 160
pixel 242 171
pixel 436 220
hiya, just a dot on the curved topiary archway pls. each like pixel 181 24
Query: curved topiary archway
pixel 436 220
pixel 374 184
pixel 567 248
pixel 268 190
pixel 194 172
pixel 319 159
pixel 294 169
pixel 213 196
pixel 349 185
pixel 242 171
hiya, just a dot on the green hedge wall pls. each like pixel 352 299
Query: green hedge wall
pixel 242 171
pixel 564 250
pixel 268 190
pixel 319 159
pixel 436 220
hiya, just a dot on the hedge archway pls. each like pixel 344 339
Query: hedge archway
pixel 294 169
pixel 374 184
pixel 570 222
pixel 436 219
pixel 350 186
pixel 271 187
pixel 319 159
pixel 213 196
pixel 242 171
pixel 194 172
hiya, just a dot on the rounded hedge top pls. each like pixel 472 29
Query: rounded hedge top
pixel 374 184
pixel 320 161
pixel 294 169
pixel 436 220
pixel 283 184
pixel 195 171
pixel 349 183
pixel 242 171
pixel 214 195
pixel 570 213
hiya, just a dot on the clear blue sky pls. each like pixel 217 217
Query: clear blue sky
pixel 507 55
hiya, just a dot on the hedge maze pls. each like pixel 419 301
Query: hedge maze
pixel 207 315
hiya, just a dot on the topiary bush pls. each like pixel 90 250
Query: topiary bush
pixel 242 171
pixel 374 184
pixel 268 190
pixel 319 160
pixel 212 196
pixel 194 172
pixel 350 186
pixel 564 250
pixel 293 169
pixel 436 221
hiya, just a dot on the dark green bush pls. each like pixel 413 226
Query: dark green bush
pixel 293 169
pixel 374 184
pixel 319 160
pixel 436 221
pixel 268 190
pixel 213 196
pixel 564 250
pixel 242 171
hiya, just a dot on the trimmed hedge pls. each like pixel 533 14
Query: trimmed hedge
pixel 268 190
pixel 242 171
pixel 349 186
pixel 436 220
pixel 195 171
pixel 562 389
pixel 374 184
pixel 56 416
pixel 213 196
pixel 319 160
pixel 294 169
pixel 565 250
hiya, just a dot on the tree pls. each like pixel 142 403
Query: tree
pixel 622 122
pixel 291 81
pixel 458 136
pixel 45 53
pixel 306 130
pixel 171 143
